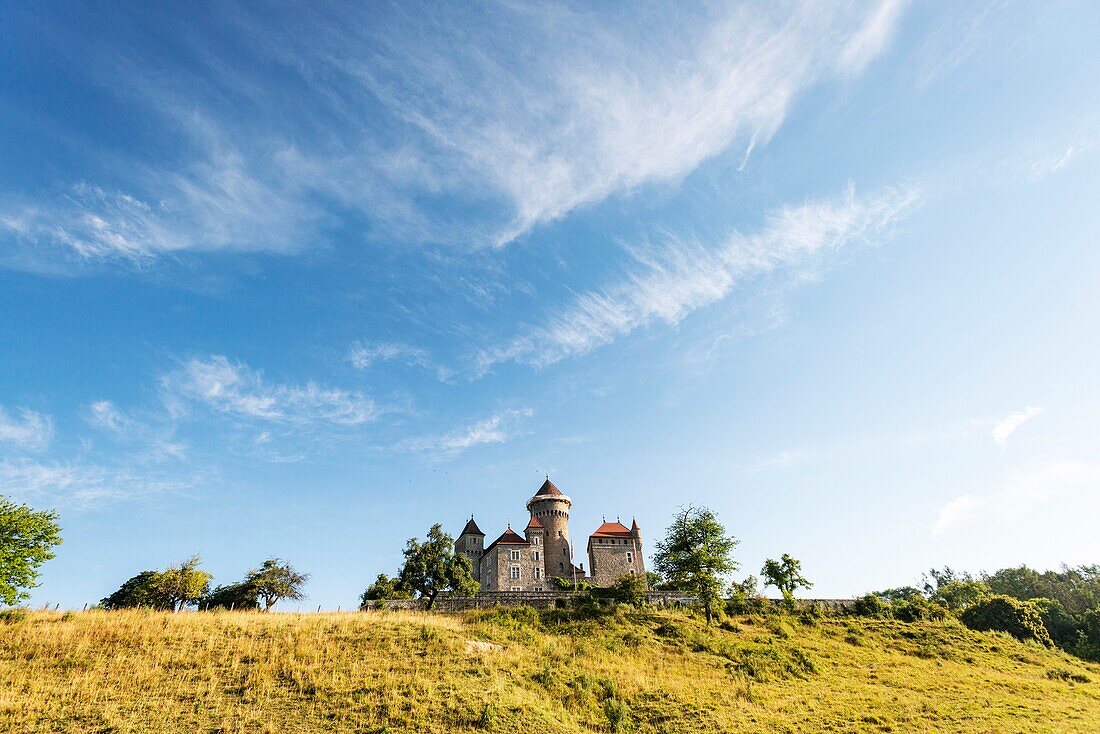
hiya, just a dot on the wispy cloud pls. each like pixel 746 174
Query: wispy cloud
pixel 683 276
pixel 519 113
pixel 497 428
pixel 873 36
pixel 365 355
pixel 31 430
pixel 1004 429
pixel 235 389
pixel 85 485
pixel 157 442
pixel 1022 492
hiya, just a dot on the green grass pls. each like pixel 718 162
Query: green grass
pixel 518 670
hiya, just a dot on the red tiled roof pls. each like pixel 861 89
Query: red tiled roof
pixel 534 523
pixel 508 537
pixel 547 488
pixel 612 530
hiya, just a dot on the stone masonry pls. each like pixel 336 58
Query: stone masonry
pixel 526 564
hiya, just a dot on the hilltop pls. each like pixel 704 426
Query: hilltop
pixel 520 670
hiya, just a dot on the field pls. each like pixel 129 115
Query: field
pixel 520 671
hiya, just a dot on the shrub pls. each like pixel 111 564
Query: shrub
pixel 1067 675
pixel 871 605
pixel 629 589
pixel 917 608
pixel 12 616
pixel 1003 613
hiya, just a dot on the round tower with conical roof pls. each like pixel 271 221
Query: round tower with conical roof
pixel 550 506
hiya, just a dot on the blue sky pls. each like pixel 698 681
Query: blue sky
pixel 301 281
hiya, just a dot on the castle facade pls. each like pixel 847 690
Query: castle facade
pixel 529 562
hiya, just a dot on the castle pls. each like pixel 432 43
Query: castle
pixel 544 551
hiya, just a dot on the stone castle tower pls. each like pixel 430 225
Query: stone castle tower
pixel 514 563
pixel 551 508
pixel 471 543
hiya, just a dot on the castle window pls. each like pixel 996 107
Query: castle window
pixel 513 555
pixel 535 540
pixel 565 552
pixel 538 588
pixel 559 533
pixel 513 572
pixel 561 567
pixel 629 557
pixel 538 556
pixel 517 588
pixel 538 572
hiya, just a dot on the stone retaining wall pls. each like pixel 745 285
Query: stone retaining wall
pixel 549 599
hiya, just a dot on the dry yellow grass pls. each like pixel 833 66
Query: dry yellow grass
pixel 373 672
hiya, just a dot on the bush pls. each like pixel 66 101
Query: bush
pixel 1067 675
pixel 629 589
pixel 916 609
pixel 871 605
pixel 12 616
pixel 1020 619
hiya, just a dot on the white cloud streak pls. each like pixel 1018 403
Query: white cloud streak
pixel 83 485
pixel 526 111
pixel 31 431
pixel 237 390
pixel 685 276
pixel 1004 429
pixel 497 428
pixel 872 38
pixel 365 355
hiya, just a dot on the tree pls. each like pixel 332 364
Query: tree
pixel 785 575
pixel 27 538
pixel 384 588
pixel 697 555
pixel 240 596
pixel 141 590
pixel 170 590
pixel 275 580
pixel 432 567
pixel 184 584
pixel 629 589
pixel 1021 619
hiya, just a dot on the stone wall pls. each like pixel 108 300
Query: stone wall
pixel 548 599
pixel 610 559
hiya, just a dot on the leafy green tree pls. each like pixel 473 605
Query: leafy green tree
pixel 1020 619
pixel 432 567
pixel 276 580
pixel 785 575
pixel 170 590
pixel 184 584
pixel 141 590
pixel 743 596
pixel 629 589
pixel 238 596
pixel 384 588
pixel 697 555
pixel 27 538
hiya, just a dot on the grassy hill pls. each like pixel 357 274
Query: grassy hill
pixel 521 671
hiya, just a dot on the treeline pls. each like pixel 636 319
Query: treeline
pixel 1059 608
pixel 186 585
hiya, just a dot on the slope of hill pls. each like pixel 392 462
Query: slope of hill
pixel 521 671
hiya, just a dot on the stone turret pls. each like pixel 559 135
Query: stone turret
pixel 550 507
pixel 471 543
pixel 615 551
